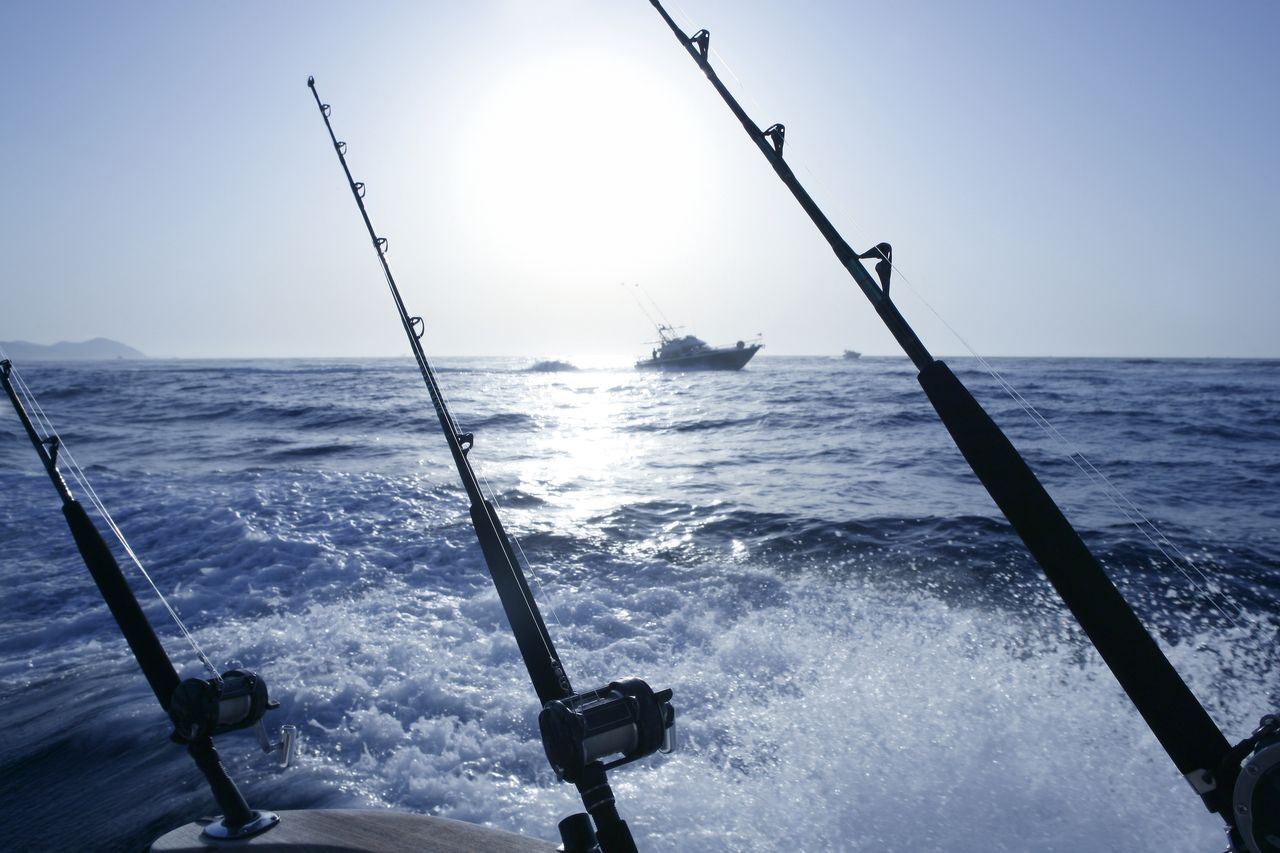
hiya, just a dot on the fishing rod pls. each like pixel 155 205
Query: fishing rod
pixel 198 708
pixel 1178 720
pixel 626 718
pixel 666 332
pixel 640 305
pixel 666 322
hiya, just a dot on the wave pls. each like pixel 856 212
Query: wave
pixel 820 580
pixel 501 420
pixel 551 366
pixel 696 425
pixel 312 451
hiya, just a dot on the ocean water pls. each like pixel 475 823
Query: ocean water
pixel 863 655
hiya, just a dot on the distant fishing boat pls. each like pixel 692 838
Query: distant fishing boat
pixel 689 353
pixel 686 352
pixel 852 354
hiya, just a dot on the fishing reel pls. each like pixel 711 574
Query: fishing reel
pixel 626 718
pixel 1256 798
pixel 238 700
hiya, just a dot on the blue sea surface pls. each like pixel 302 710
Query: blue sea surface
pixel 864 657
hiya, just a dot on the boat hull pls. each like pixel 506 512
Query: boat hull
pixel 728 358
pixel 359 831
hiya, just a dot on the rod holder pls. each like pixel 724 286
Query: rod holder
pixel 286 746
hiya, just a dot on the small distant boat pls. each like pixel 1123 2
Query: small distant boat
pixel 689 353
pixel 851 354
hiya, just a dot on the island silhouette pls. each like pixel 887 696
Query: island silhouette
pixel 97 348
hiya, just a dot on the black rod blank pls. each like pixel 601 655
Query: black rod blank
pixel 545 670
pixel 133 623
pixel 1168 706
pixel 539 654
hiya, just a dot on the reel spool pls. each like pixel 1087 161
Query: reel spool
pixel 208 707
pixel 1256 798
pixel 625 718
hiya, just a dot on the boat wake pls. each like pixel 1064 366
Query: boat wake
pixel 865 658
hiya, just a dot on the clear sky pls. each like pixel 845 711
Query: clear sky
pixel 1056 178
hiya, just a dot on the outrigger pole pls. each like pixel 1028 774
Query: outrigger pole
pixel 198 708
pixel 579 730
pixel 1173 713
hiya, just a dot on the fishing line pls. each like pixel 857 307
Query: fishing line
pixel 444 404
pixel 1122 503
pixel 548 675
pixel 662 330
pixel 515 573
pixel 1160 541
pixel 77 473
pixel 491 494
pixel 547 598
pixel 690 25
pixel 639 304
pixel 656 307
pixel 1114 494
pixel 1149 529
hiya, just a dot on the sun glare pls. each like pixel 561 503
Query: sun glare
pixel 566 159
pixel 587 444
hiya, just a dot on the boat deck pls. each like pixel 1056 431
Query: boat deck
pixel 358 831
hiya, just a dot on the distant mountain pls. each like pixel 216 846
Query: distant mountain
pixel 98 348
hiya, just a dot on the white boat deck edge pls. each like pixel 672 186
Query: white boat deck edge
pixel 358 831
